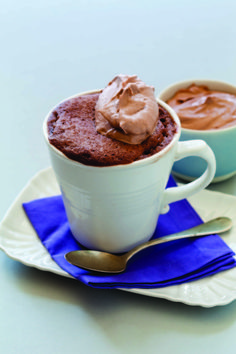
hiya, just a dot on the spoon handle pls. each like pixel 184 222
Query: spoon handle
pixel 213 226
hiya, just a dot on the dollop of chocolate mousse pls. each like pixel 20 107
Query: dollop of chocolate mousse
pixel 127 110
pixel 72 130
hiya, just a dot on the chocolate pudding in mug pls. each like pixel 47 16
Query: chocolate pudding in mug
pixel 199 108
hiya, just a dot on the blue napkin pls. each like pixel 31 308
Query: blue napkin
pixel 163 265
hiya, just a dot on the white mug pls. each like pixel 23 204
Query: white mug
pixel 115 208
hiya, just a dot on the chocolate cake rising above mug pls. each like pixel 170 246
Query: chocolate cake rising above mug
pixel 122 124
pixel 112 151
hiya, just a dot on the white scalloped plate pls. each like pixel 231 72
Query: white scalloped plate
pixel 20 242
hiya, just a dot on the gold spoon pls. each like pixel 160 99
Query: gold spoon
pixel 110 263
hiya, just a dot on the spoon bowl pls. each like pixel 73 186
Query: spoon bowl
pixel 109 263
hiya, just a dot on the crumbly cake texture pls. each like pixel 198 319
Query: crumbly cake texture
pixel 71 129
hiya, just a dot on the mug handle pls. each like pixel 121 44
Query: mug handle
pixel 191 148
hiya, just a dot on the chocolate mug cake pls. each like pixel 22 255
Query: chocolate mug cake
pixel 77 127
pixel 112 152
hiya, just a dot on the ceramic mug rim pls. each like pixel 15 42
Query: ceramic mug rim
pixel 148 160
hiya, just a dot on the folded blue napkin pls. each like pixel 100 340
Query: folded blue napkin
pixel 163 265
